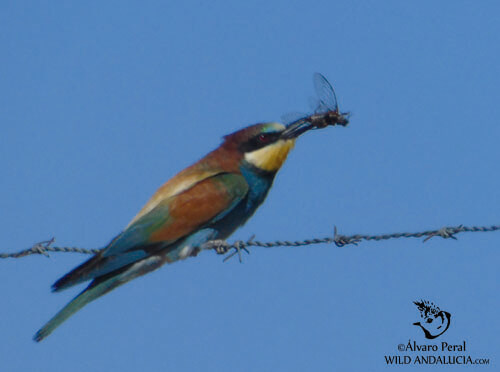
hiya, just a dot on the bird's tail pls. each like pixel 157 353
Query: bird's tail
pixel 99 286
pixel 93 291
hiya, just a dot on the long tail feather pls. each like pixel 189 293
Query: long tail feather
pixel 96 289
pixel 92 292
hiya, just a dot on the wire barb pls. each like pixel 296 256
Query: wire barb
pixel 238 246
pixel 223 247
pixel 342 240
pixel 446 233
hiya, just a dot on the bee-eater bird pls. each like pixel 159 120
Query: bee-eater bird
pixel 206 201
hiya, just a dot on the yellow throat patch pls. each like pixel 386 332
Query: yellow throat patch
pixel 270 158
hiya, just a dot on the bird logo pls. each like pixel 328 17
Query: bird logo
pixel 208 200
pixel 436 321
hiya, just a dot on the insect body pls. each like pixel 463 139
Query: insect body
pixel 326 110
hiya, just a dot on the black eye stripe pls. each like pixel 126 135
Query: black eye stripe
pixel 264 139
pixel 259 141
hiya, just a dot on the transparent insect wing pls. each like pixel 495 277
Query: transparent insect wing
pixel 326 94
pixel 317 106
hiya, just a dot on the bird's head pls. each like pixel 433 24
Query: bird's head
pixel 265 146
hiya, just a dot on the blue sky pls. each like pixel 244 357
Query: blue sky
pixel 102 102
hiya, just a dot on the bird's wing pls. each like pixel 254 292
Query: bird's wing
pixel 171 219
pixel 181 182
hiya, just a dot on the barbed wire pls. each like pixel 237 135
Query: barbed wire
pixel 223 247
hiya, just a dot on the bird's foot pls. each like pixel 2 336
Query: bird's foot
pixel 219 246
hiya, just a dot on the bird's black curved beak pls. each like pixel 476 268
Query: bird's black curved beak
pixel 295 129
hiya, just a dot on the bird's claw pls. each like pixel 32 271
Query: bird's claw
pixel 220 246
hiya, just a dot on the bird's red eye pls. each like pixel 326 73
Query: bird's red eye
pixel 263 138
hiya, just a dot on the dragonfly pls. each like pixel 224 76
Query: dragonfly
pixel 326 110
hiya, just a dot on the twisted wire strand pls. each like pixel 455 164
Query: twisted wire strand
pixel 223 247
